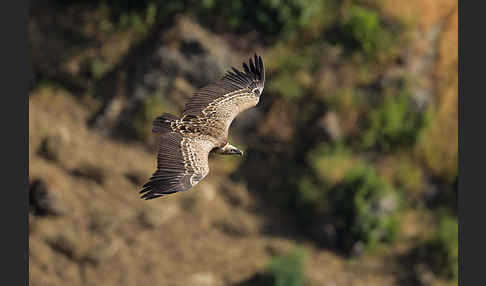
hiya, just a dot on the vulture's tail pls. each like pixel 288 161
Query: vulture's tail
pixel 162 123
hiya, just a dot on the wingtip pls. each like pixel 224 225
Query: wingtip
pixel 252 70
pixel 246 68
pixel 153 189
pixel 255 66
pixel 148 197
pixel 151 195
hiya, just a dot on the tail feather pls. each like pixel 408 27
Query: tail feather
pixel 162 123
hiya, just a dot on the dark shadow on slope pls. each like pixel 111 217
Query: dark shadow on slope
pixel 118 84
pixel 55 37
pixel 258 279
pixel 272 170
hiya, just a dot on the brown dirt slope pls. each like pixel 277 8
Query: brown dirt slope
pixel 215 234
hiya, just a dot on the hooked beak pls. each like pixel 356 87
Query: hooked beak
pixel 239 152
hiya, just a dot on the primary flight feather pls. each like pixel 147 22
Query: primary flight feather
pixel 185 143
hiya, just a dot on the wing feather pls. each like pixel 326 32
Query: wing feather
pixel 182 161
pixel 234 92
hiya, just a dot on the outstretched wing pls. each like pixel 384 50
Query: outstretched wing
pixel 232 94
pixel 182 162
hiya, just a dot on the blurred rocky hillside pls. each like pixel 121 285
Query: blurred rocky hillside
pixel 350 171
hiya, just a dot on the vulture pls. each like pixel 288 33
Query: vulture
pixel 185 143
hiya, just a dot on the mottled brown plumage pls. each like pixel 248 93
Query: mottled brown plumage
pixel 185 143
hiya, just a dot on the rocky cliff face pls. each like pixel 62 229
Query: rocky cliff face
pixel 182 58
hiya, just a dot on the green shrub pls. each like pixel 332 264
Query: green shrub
pixel 287 270
pixel 441 252
pixel 290 69
pixel 139 14
pixel 393 124
pixel 277 17
pixel 350 195
pixel 268 16
pixel 444 248
pixel 310 202
pixel 331 162
pixel 285 85
pixel 362 30
pixel 364 209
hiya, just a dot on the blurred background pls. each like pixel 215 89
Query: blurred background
pixel 350 171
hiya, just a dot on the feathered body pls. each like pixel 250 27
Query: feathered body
pixel 185 143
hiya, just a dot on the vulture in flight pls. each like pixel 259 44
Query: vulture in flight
pixel 185 143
